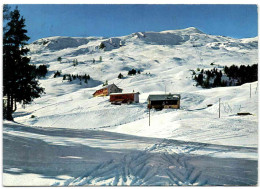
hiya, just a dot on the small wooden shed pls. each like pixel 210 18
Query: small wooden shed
pixel 118 98
pixel 160 101
pixel 105 91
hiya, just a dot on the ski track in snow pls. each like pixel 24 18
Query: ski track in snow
pixel 103 160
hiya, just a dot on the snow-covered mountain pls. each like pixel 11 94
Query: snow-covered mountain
pixel 165 60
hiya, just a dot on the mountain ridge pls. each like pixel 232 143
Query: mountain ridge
pixel 172 38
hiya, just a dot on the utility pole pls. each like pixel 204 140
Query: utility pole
pixel 219 108
pixel 250 90
pixel 149 116
pixel 149 107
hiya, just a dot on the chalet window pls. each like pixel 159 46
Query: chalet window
pixel 156 102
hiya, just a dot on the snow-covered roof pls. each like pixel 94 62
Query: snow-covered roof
pixel 155 97
pixel 109 86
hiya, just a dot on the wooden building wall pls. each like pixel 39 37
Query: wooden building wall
pixel 161 104
pixel 131 97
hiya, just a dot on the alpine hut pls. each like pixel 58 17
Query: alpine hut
pixel 105 91
pixel 118 98
pixel 160 101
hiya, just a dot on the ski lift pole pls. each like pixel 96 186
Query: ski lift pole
pixel 250 90
pixel 219 108
pixel 149 107
pixel 149 116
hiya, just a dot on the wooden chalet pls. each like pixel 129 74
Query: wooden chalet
pixel 160 101
pixel 105 91
pixel 118 98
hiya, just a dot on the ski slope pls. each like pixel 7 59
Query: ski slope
pixel 102 144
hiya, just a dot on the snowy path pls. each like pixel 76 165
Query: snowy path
pixel 72 157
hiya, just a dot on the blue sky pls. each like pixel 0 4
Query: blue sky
pixel 79 20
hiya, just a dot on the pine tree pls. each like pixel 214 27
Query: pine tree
pixel 19 81
pixel 102 46
pixel 106 83
pixel 75 62
pixel 41 71
pixel 59 59
pixel 57 74
pixel 120 76
pixel 6 15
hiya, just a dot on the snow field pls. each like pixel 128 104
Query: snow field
pixel 92 142
pixel 104 158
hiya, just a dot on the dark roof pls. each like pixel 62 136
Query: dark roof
pixel 156 97
pixel 124 93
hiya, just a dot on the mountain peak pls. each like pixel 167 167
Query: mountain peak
pixel 189 30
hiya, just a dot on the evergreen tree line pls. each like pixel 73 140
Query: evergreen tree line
pixel 71 77
pixel 75 61
pixel 210 78
pixel 133 72
pixel 130 72
pixel 236 76
pixel 243 74
pixel 20 84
